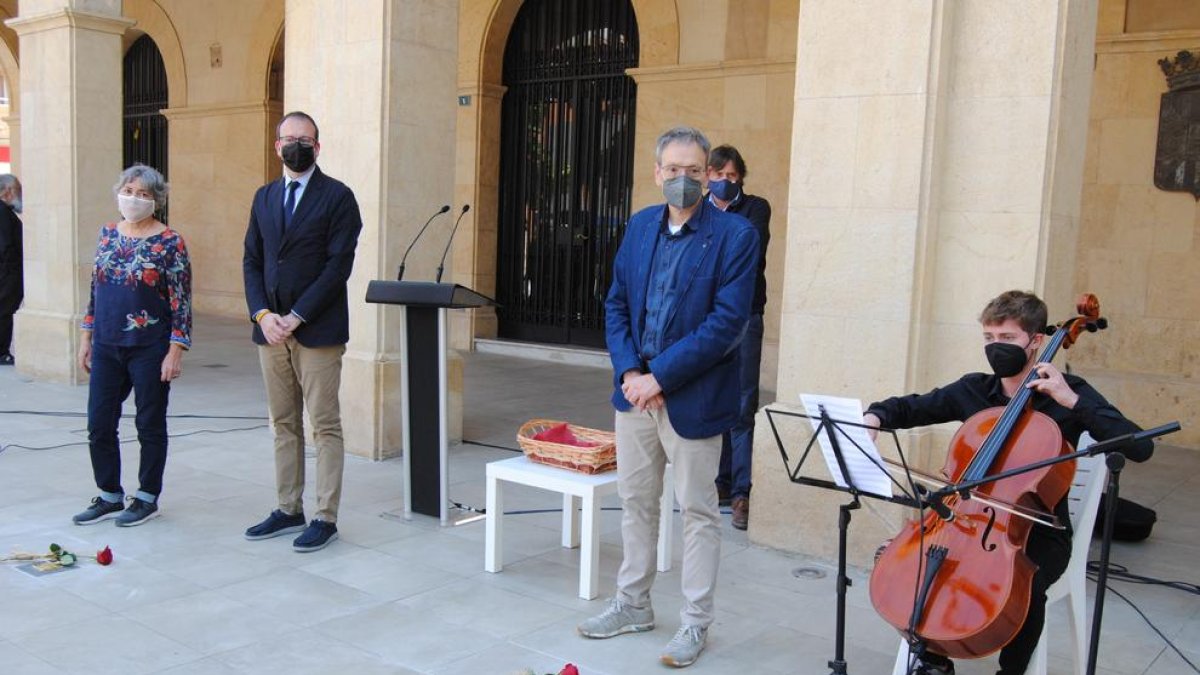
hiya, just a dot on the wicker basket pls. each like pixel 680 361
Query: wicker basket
pixel 596 459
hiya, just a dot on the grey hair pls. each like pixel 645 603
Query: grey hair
pixel 681 134
pixel 150 178
pixel 7 180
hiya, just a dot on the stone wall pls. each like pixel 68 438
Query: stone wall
pixel 1139 247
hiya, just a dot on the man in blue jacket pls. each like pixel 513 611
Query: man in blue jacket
pixel 683 281
pixel 299 251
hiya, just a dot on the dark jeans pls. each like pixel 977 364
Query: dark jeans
pixel 737 444
pixel 1050 550
pixel 6 331
pixel 115 372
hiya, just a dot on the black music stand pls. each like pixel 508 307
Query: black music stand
pixel 830 427
pixel 424 395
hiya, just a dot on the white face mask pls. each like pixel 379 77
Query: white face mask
pixel 135 209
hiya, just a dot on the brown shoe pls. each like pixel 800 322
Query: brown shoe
pixel 741 512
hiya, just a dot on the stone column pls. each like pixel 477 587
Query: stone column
pixel 70 157
pixel 379 78
pixel 930 173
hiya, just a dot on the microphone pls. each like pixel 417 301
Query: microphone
pixel 400 275
pixel 442 263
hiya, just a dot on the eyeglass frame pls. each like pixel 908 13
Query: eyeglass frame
pixel 673 171
pixel 307 141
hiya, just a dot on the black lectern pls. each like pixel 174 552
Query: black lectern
pixel 423 391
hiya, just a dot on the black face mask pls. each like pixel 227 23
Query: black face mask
pixel 1006 359
pixel 298 157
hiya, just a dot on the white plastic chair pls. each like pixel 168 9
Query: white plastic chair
pixel 1083 501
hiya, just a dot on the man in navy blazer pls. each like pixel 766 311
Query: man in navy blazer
pixel 299 251
pixel 683 281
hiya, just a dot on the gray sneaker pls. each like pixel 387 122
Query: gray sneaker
pixel 98 511
pixel 685 647
pixel 617 619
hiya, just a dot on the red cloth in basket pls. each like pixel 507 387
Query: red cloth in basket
pixel 561 433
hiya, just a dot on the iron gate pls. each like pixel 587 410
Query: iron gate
pixel 144 130
pixel 566 166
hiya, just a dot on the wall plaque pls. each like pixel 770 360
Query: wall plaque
pixel 1177 157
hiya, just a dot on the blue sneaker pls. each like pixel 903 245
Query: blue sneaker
pixel 276 524
pixel 139 511
pixel 317 536
pixel 98 511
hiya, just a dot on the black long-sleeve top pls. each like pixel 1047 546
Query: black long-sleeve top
pixel 976 391
pixel 758 211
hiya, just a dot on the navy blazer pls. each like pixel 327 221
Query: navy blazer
pixel 698 366
pixel 306 268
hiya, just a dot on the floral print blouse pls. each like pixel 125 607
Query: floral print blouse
pixel 141 290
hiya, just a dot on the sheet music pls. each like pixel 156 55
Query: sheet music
pixel 867 476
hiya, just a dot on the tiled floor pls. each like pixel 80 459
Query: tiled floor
pixel 188 594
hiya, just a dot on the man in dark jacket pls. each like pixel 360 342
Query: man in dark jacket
pixel 299 251
pixel 727 191
pixel 12 284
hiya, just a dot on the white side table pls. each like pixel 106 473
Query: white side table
pixel 575 488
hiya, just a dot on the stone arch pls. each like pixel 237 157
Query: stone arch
pixel 152 20
pixel 483 37
pixel 268 34
pixel 9 63
pixel 658 36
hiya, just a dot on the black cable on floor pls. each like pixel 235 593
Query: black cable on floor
pixel 180 416
pixel 491 445
pixel 5 448
pixel 1121 573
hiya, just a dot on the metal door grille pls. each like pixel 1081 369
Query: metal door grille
pixel 145 94
pixel 566 166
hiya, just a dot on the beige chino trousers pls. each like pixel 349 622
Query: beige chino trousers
pixel 297 376
pixel 646 441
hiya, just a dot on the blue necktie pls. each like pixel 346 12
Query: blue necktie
pixel 290 204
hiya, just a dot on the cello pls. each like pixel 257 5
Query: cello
pixel 966 557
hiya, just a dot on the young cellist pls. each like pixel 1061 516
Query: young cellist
pixel 1012 335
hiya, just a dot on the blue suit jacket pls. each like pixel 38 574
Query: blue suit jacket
pixel 698 365
pixel 306 268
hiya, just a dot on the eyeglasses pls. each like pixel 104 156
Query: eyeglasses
pixel 672 171
pixel 306 141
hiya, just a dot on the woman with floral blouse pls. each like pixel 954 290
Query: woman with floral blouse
pixel 138 324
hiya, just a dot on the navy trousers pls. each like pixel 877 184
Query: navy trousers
pixel 737 445
pixel 115 372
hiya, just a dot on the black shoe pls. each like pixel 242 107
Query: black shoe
pixel 7 360
pixel 317 536
pixel 139 511
pixel 276 524
pixel 98 511
pixel 937 668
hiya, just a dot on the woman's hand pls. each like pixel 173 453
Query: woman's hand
pixel 84 358
pixel 172 365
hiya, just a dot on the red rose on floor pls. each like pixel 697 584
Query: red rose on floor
pixel 569 669
pixel 104 557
